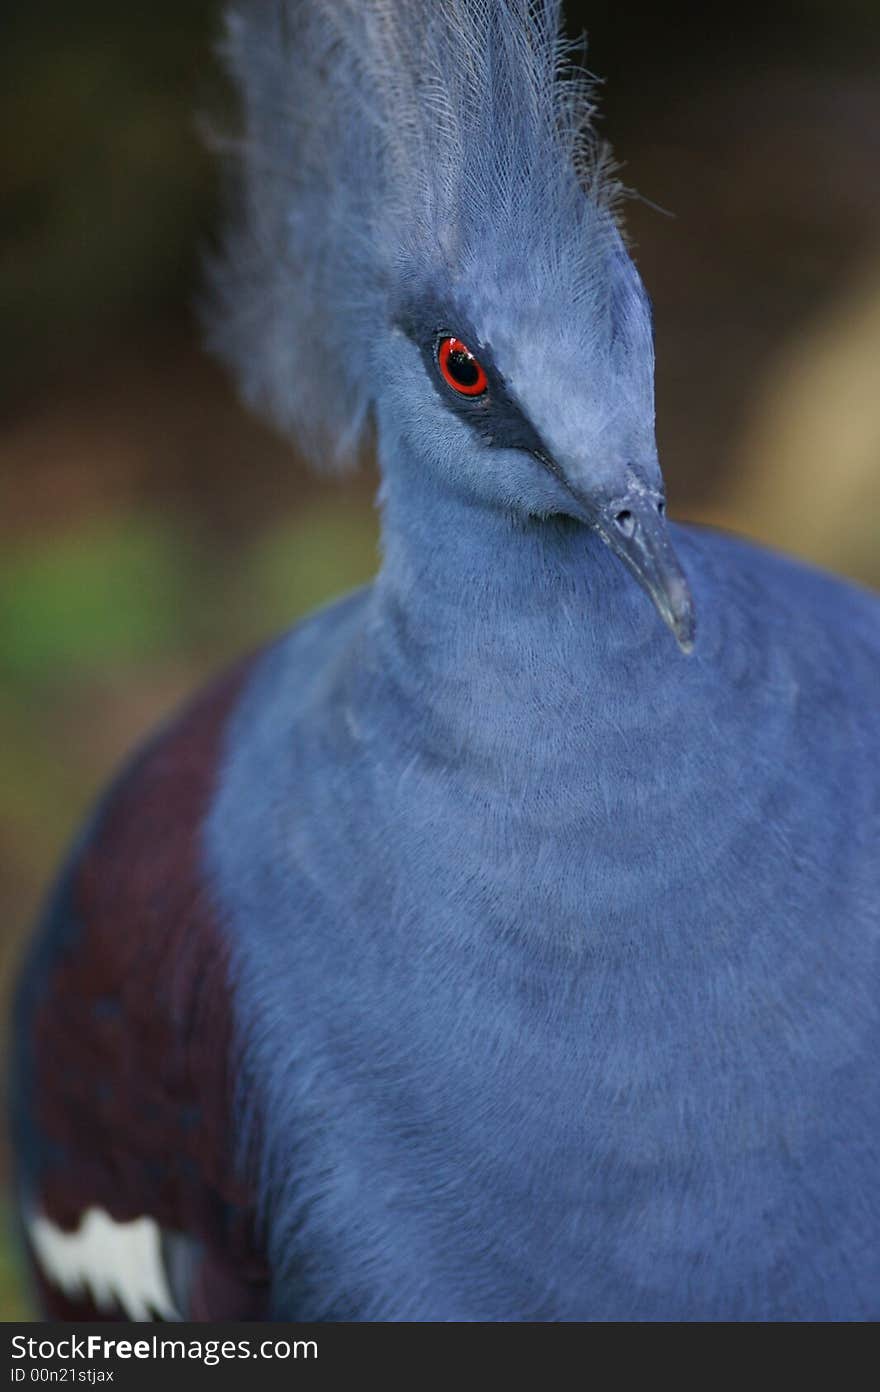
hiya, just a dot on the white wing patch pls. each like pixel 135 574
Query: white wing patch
pixel 117 1264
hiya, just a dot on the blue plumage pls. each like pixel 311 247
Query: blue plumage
pixel 550 950
pixel 564 945
pixel 393 149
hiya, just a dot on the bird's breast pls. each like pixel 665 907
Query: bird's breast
pixel 573 1045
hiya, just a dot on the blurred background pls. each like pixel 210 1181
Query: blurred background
pixel 150 529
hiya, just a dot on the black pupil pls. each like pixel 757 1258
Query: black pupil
pixel 462 368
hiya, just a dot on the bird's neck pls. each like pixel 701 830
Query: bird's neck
pixel 501 632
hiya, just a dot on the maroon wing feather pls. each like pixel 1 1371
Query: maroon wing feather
pixel 131 1038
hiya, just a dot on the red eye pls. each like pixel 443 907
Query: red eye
pixel 460 368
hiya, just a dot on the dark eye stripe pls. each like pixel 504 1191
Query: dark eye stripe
pixel 493 413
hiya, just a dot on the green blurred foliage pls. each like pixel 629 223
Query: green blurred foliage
pixel 14 1304
pixel 103 594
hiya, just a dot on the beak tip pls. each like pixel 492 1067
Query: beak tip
pixel 684 624
pixel 677 607
pixel 634 526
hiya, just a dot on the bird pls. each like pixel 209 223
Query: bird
pixel 500 943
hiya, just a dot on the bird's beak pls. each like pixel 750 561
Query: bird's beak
pixel 634 527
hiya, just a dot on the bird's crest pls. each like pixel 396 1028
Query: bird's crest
pixel 388 147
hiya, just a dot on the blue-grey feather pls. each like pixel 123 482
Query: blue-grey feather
pixel 388 147
pixel 557 954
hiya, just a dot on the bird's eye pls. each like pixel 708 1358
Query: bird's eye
pixel 460 369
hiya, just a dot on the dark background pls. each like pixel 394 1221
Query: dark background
pixel 150 529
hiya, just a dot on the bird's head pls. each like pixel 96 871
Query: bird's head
pixel 429 241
